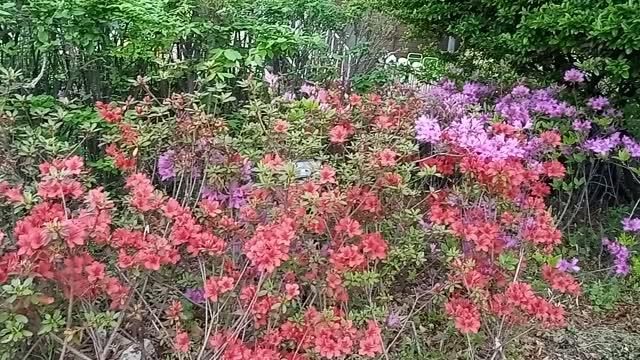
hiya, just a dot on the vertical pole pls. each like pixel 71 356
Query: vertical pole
pixel 451 45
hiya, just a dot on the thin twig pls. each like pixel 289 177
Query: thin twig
pixel 107 348
pixel 71 349
pixel 69 311
pixel 26 356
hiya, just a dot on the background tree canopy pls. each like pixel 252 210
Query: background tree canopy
pixel 540 38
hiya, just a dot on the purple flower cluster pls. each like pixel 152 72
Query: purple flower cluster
pixel 581 125
pixel 520 91
pixel 602 146
pixel 235 196
pixel 632 146
pixel 470 134
pixel 598 103
pixel 631 225
pixel 166 168
pixel 308 89
pixel 394 320
pixel 288 96
pixel 574 76
pixel 475 91
pixel 455 114
pixel 620 255
pixel 568 265
pixel 443 102
pixel 428 130
pixel 518 107
pixel 195 295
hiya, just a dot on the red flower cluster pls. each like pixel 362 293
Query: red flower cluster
pixel 48 237
pixel 466 314
pixel 269 247
pixel 560 281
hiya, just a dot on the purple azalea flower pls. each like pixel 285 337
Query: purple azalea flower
pixel 237 195
pixel 632 146
pixel 510 242
pixel 610 112
pixel 394 320
pixel 574 76
pixel 428 130
pixel 166 168
pixel 517 115
pixel 214 195
pixel 475 91
pixel 620 255
pixel 568 265
pixel 520 91
pixel 448 86
pixel 434 248
pixel 425 225
pixel 195 295
pixel 603 146
pixel 581 125
pixel 598 103
pixel 631 225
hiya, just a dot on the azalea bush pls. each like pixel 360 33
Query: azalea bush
pixel 322 225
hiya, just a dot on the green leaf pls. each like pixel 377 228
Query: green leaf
pixel 623 155
pixel 43 36
pixel 21 318
pixel 232 55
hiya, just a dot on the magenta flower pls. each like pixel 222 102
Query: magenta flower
pixel 394 320
pixel 631 225
pixel 574 76
pixel 237 195
pixel 475 91
pixel 520 91
pixel 568 265
pixel 428 130
pixel 620 255
pixel 581 125
pixel 632 146
pixel 166 168
pixel 195 295
pixel 598 103
pixel 603 146
pixel 288 96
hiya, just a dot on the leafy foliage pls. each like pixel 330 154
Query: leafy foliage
pixel 540 38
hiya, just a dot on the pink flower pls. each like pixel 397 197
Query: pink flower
pixel 348 226
pixel 182 341
pixel 271 79
pixel 95 271
pixel 327 175
pixel 292 291
pixel 387 157
pixel 374 246
pixel 281 126
pixel 338 134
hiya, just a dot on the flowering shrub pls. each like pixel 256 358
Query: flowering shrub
pixel 281 239
pixel 272 257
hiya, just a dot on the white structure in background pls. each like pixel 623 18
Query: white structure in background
pixel 451 44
